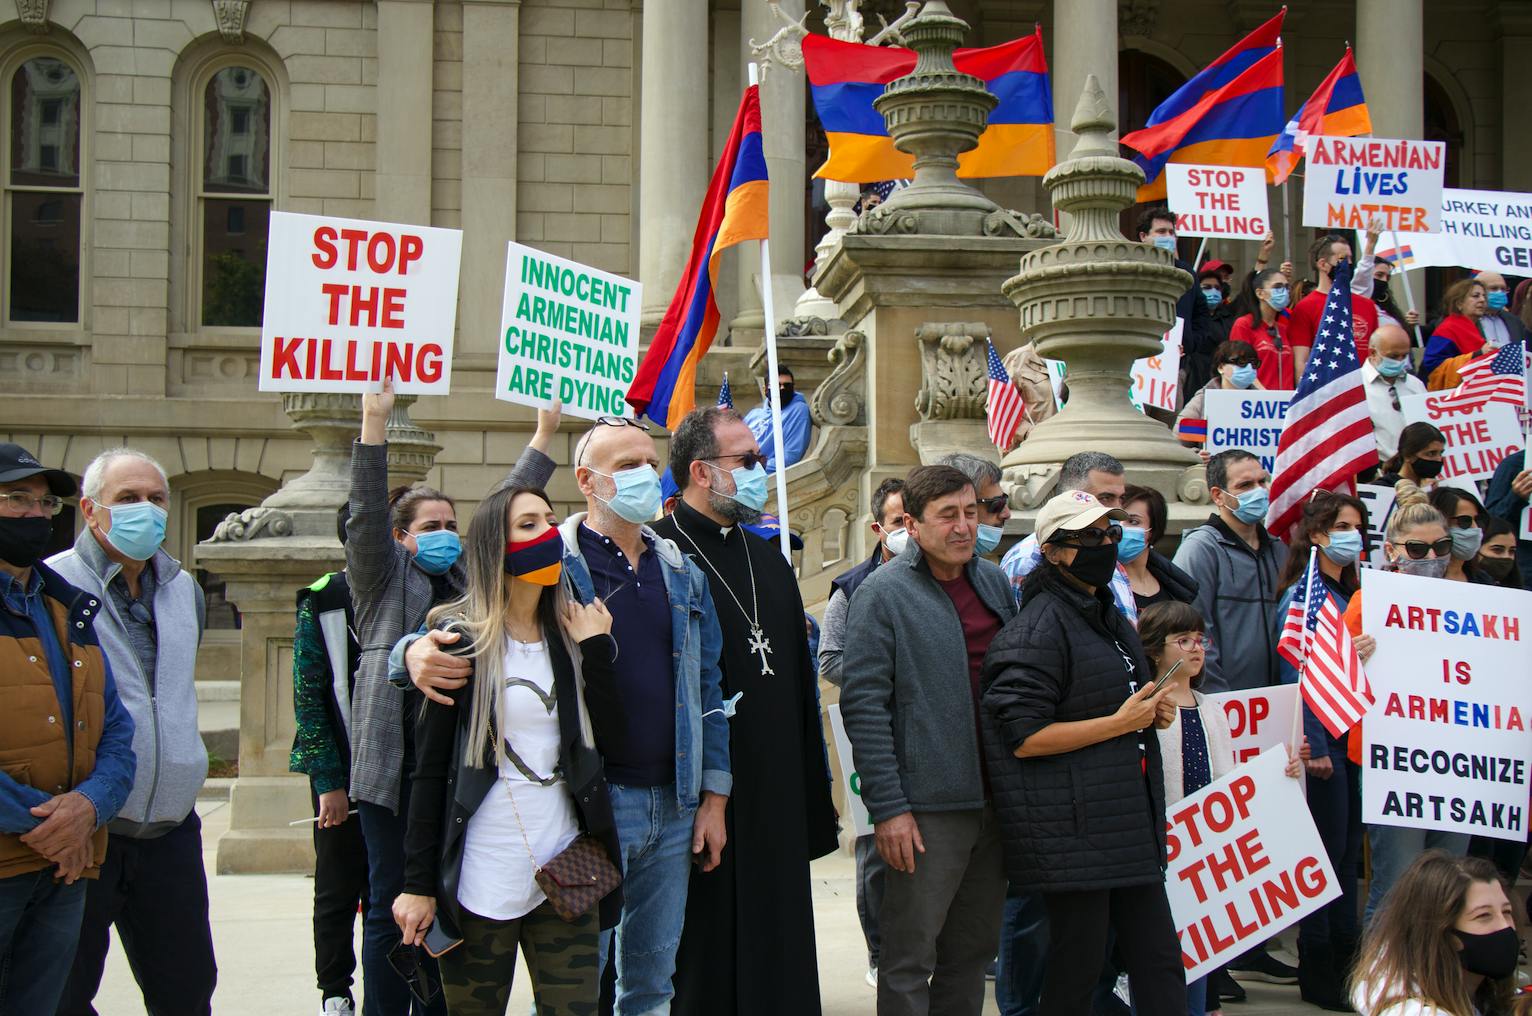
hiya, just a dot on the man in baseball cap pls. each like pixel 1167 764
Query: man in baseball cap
pixel 1069 513
pixel 16 463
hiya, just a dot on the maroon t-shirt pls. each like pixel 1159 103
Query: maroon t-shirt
pixel 980 626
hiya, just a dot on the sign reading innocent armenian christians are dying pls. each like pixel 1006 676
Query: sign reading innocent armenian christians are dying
pixel 349 303
pixel 568 334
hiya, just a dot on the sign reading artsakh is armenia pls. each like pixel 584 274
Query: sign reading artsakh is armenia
pixel 350 302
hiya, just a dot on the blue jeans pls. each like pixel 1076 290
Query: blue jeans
pixel 1394 849
pixel 385 993
pixel 39 929
pixel 656 838
pixel 1023 953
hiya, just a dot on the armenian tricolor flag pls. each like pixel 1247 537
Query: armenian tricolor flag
pixel 1236 61
pixel 845 78
pixel 734 210
pixel 1193 431
pixel 1335 110
pixel 1399 257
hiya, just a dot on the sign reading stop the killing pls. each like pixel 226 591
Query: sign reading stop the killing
pixel 1478 439
pixel 1352 181
pixel 1245 862
pixel 1218 201
pixel 349 303
pixel 1258 719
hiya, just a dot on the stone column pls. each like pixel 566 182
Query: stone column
pixel 1515 31
pixel 405 29
pixel 1084 43
pixel 782 115
pixel 673 155
pixel 1390 51
pixel 491 56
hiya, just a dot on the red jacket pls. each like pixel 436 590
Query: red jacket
pixel 1276 370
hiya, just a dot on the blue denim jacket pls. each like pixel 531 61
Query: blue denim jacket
pixel 702 725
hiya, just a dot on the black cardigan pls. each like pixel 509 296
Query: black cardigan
pixel 1092 818
pixel 447 792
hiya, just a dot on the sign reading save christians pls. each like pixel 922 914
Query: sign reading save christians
pixel 1218 201
pixel 350 302
pixel 568 334
pixel 1352 181
pixel 1245 862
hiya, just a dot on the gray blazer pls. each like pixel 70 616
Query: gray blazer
pixel 907 701
pixel 390 595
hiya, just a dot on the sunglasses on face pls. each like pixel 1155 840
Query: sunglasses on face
pixel 747 459
pixel 1467 522
pixel 1419 549
pixel 1089 537
pixel 1244 361
pixel 405 959
pixel 995 505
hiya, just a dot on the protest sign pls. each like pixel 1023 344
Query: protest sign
pixel 1156 379
pixel 1245 862
pixel 569 334
pixel 1258 719
pixel 1481 230
pixel 1380 505
pixel 1218 201
pixel 1478 438
pixel 850 782
pixel 1352 181
pixel 349 303
pixel 1446 744
pixel 1247 419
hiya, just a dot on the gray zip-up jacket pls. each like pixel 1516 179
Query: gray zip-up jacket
pixel 907 701
pixel 172 760
pixel 1237 593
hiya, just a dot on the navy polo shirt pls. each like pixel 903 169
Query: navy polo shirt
pixel 642 753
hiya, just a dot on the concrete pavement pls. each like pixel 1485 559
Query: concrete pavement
pixel 264 940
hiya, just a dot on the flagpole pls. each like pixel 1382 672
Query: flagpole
pixel 773 390
pixel 1409 291
pixel 1287 222
pixel 1201 249
pixel 1308 591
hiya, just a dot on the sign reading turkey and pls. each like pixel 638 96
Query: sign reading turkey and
pixel 349 303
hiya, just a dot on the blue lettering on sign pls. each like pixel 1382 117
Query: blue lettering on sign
pixel 1360 181
pixel 1263 410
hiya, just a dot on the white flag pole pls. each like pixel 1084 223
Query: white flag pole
pixel 1308 594
pixel 773 392
pixel 1409 291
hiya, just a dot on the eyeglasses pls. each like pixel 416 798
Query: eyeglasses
pixel 1186 643
pixel 1467 522
pixel 405 959
pixel 607 421
pixel 1418 549
pixel 995 505
pixel 21 502
pixel 1089 537
pixel 747 459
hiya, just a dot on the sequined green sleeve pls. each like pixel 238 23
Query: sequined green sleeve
pixel 315 747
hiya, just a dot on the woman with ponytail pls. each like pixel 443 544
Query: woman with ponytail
pixel 1419 458
pixel 512 780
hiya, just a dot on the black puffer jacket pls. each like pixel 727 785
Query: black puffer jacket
pixel 1093 818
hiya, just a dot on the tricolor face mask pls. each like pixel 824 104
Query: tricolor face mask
pixel 539 560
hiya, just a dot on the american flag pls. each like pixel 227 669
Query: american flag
pixel 725 396
pixel 1315 639
pixel 1004 405
pixel 1498 377
pixel 1328 438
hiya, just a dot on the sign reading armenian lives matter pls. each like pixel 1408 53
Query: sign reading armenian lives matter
pixel 349 303
pixel 1219 201
pixel 1245 861
pixel 568 334
pixel 1481 230
pixel 1250 420
pixel 850 782
pixel 1478 438
pixel 1447 744
pixel 1352 181
pixel 1258 719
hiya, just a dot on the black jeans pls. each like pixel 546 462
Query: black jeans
pixel 154 892
pixel 1078 924
pixel 386 992
pixel 340 888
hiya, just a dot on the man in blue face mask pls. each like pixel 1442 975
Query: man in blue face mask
pixel 1387 379
pixel 1499 325
pixel 994 503
pixel 1201 334
pixel 152 881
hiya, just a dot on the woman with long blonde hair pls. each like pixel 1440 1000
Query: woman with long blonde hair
pixel 511 779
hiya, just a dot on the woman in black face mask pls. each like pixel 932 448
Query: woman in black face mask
pixel 1419 458
pixel 1068 697
pixel 1444 943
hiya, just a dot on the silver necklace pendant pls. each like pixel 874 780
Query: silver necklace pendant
pixel 759 643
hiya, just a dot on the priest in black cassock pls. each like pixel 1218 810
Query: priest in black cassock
pixel 748 945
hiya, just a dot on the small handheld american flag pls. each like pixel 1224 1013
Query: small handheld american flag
pixel 1498 377
pixel 725 396
pixel 1315 639
pixel 1004 404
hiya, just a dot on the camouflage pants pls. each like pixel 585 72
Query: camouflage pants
pixel 476 976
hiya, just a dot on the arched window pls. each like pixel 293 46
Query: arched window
pixel 44 188
pixel 1143 82
pixel 232 162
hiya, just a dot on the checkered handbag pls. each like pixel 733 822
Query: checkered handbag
pixel 578 878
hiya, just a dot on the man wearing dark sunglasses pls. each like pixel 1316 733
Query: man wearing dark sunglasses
pixel 994 503
pixel 797 424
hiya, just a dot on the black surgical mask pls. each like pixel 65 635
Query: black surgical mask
pixel 1427 469
pixel 1498 568
pixel 787 394
pixel 1492 955
pixel 1380 291
pixel 24 540
pixel 1094 566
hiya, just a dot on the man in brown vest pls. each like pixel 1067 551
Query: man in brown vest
pixel 66 743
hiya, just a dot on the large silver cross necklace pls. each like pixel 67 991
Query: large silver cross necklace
pixel 759 643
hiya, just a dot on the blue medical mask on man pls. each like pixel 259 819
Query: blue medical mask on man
pixel 749 486
pixel 1213 297
pixel 1165 243
pixel 437 551
pixel 1499 299
pixel 1252 506
pixel 637 497
pixel 1390 367
pixel 137 530
pixel 986 539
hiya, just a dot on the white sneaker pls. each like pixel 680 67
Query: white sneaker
pixel 872 977
pixel 337 1006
